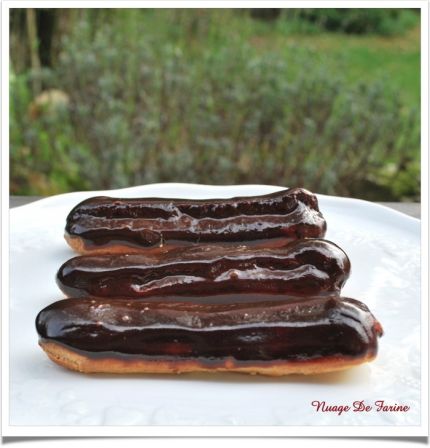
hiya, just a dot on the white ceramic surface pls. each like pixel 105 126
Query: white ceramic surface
pixel 384 248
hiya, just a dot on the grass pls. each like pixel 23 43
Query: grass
pixel 394 59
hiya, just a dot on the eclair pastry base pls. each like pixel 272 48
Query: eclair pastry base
pixel 78 245
pixel 75 361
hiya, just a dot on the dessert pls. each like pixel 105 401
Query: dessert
pixel 265 337
pixel 310 267
pixel 111 225
pixel 245 284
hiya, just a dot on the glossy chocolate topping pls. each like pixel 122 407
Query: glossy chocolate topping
pixel 294 330
pixel 153 222
pixel 308 267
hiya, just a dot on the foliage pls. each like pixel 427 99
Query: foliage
pixel 386 21
pixel 142 109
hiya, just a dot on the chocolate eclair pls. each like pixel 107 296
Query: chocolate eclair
pixel 111 225
pixel 309 267
pixel 265 337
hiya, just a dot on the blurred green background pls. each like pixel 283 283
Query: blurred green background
pixel 328 99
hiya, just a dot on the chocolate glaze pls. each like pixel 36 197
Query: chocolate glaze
pixel 152 222
pixel 307 267
pixel 268 331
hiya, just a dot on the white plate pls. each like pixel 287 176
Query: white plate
pixel 384 248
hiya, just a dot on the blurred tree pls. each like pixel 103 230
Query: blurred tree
pixel 36 34
pixel 265 13
pixel 46 26
pixel 33 44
